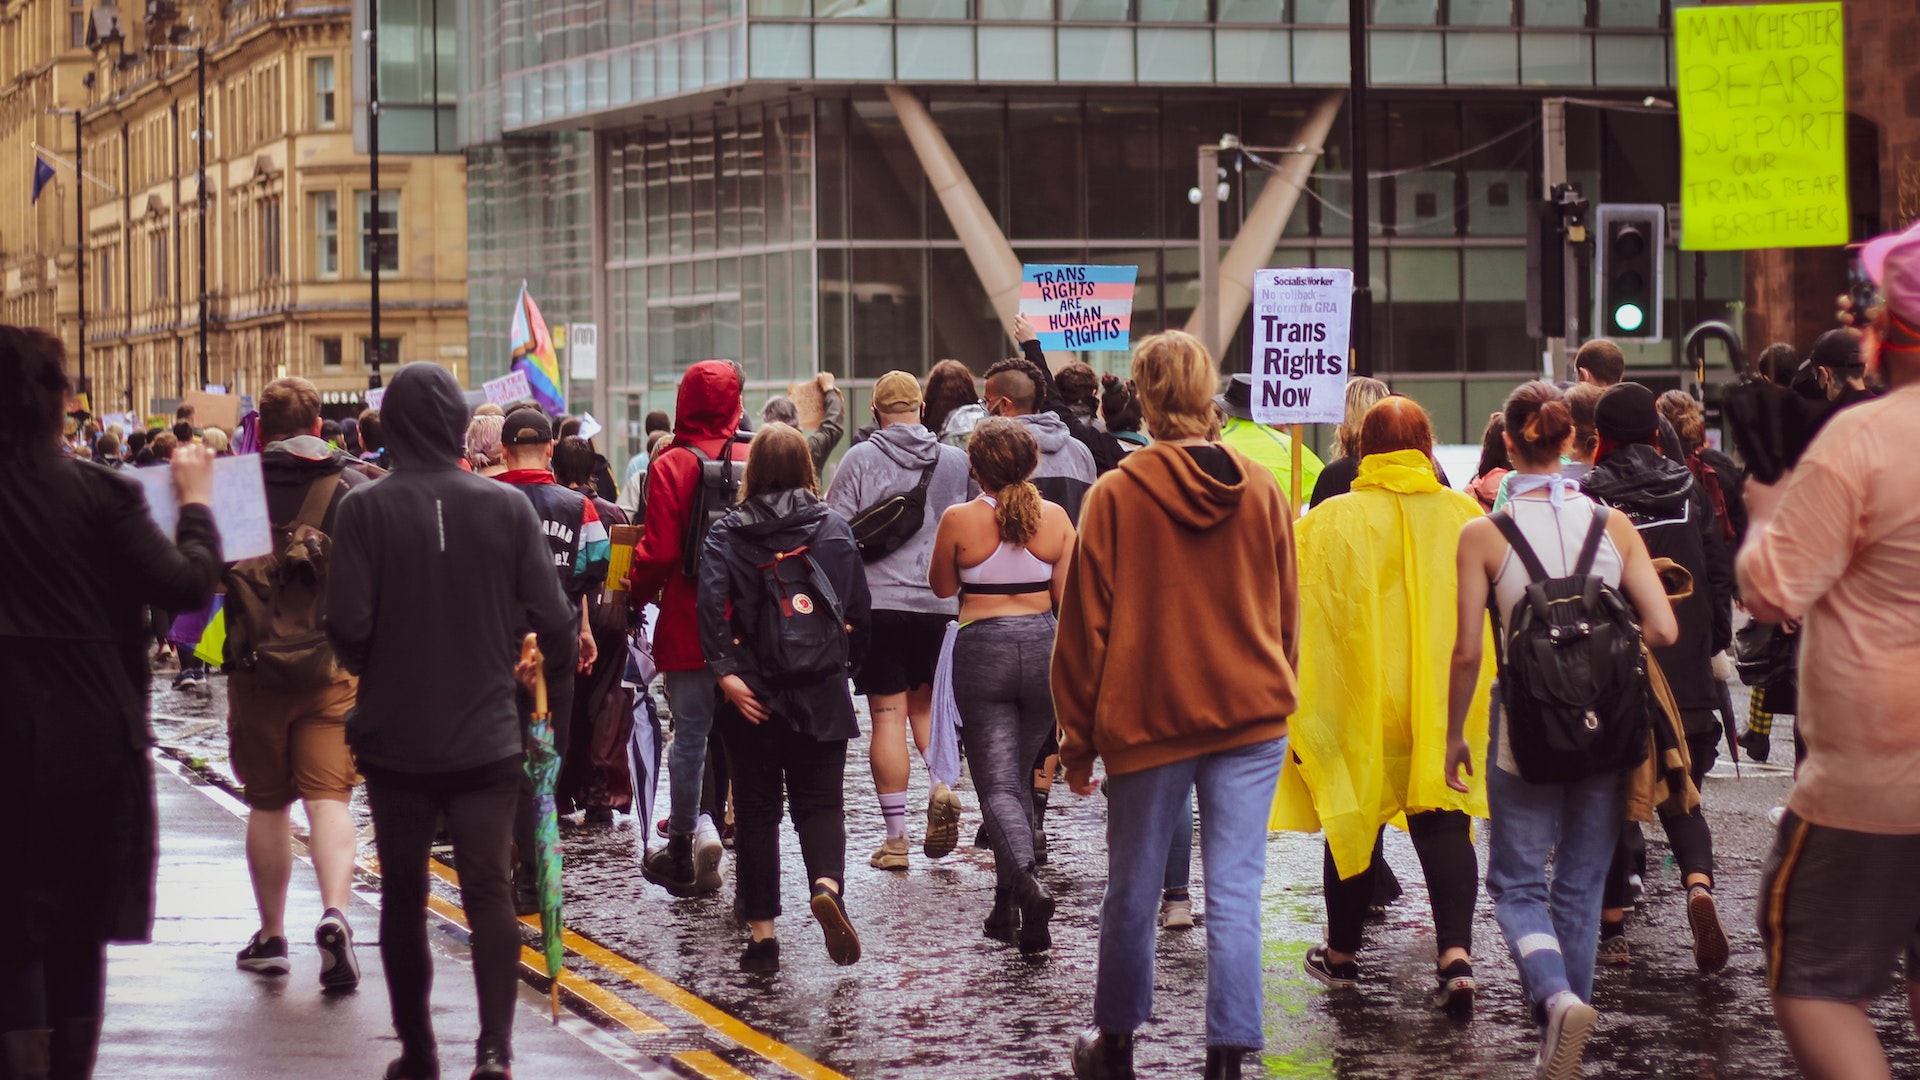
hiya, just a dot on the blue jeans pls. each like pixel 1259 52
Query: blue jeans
pixel 1552 929
pixel 1180 853
pixel 691 695
pixel 1143 811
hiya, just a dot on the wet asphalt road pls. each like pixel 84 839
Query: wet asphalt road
pixel 934 998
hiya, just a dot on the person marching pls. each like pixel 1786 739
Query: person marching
pixel 784 614
pixel 1006 555
pixel 1377 583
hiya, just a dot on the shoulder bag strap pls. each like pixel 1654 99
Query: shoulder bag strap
pixel 1511 530
pixel 313 509
pixel 926 477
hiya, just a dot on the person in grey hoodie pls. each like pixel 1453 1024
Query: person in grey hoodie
pixel 1015 388
pixel 909 622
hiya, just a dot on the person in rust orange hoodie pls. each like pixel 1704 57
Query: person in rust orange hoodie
pixel 1174 663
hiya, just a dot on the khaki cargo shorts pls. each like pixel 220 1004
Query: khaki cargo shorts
pixel 290 746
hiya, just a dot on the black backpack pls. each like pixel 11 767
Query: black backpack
pixel 883 528
pixel 1573 675
pixel 803 635
pixel 715 494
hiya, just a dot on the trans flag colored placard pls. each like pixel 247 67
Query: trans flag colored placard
pixel 1079 308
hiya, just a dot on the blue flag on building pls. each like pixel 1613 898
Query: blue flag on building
pixel 42 176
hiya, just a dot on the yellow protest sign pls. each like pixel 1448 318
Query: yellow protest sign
pixel 1763 148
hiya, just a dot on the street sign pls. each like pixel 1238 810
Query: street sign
pixel 583 351
pixel 1301 324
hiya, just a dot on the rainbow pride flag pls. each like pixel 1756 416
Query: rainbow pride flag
pixel 533 354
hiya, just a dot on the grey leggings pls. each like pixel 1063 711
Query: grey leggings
pixel 1000 683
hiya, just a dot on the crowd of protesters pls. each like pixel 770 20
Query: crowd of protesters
pixel 993 567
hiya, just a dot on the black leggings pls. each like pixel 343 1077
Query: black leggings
pixel 770 760
pixel 66 983
pixel 1444 841
pixel 479 808
pixel 1687 834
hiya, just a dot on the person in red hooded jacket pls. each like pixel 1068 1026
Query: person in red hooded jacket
pixel 706 420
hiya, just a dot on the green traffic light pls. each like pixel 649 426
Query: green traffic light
pixel 1629 317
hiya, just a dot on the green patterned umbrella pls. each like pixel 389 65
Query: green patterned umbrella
pixel 543 768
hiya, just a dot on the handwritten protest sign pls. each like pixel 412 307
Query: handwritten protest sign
pixel 375 396
pixel 508 388
pixel 1763 150
pixel 239 504
pixel 1077 308
pixel 1301 321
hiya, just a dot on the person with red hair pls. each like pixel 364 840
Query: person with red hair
pixel 1377 585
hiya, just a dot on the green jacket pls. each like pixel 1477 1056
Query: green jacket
pixel 1273 449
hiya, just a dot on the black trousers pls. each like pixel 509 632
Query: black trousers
pixel 479 808
pixel 1444 841
pixel 773 764
pixel 1687 834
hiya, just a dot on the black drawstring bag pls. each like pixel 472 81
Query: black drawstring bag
pixel 1771 424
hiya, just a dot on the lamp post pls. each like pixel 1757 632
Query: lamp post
pixel 373 181
pixel 1362 212
pixel 79 235
pixel 200 143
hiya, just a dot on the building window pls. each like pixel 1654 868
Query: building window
pixel 329 353
pixel 326 234
pixel 389 224
pixel 103 266
pixel 270 238
pixel 77 24
pixel 389 352
pixel 159 266
pixel 322 73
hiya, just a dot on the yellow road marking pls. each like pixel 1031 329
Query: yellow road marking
pixel 709 1065
pixel 711 1016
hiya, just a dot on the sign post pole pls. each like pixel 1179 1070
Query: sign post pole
pixel 1295 455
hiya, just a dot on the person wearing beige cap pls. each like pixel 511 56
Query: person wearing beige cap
pixel 909 621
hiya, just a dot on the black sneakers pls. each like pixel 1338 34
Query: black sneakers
pixel 1102 1055
pixel 1003 922
pixel 339 967
pixel 762 957
pixel 1036 911
pixel 1338 976
pixel 264 956
pixel 671 867
pixel 1456 989
pixel 491 1064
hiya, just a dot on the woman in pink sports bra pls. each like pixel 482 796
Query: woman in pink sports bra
pixel 1006 555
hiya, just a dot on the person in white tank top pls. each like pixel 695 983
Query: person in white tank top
pixel 1551 930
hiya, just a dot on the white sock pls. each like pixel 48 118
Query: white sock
pixel 893 808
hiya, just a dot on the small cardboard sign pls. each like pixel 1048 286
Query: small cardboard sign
pixel 811 403
pixel 508 388
pixel 219 410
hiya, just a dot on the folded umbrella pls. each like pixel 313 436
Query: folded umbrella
pixel 543 768
pixel 1771 424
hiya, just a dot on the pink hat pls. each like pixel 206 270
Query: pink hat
pixel 1892 262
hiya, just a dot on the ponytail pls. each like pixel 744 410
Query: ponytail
pixel 1003 454
pixel 1017 512
pixel 1538 422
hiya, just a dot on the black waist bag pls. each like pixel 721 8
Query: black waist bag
pixel 883 528
pixel 1573 676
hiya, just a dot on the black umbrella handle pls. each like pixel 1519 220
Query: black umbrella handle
pixel 1694 347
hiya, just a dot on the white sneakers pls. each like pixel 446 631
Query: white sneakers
pixel 1563 1045
pixel 707 855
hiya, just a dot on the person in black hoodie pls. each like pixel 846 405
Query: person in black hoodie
pixel 775 570
pixel 436 573
pixel 1671 510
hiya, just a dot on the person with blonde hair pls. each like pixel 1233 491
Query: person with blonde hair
pixel 1005 554
pixel 484 450
pixel 1184 533
pixel 1363 393
pixel 784 615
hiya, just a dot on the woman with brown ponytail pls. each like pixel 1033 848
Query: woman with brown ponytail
pixel 1006 555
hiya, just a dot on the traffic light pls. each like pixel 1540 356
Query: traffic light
pixel 1629 247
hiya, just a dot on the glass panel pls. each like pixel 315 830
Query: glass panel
pixel 1016 9
pixel 1499 178
pixel 1483 59
pixel 852 52
pixel 1045 166
pixel 1122 168
pixel 933 9
pixel 1405 56
pixel 1320 56
pixel 1096 55
pixel 887 293
pixel 1094 10
pixel 780 50
pixel 1442 400
pixel 831 116
pixel 780 8
pixel 1009 54
pixel 1332 12
pixel 1146 305
pixel 1425 320
pixel 1185 127
pixel 326 224
pixel 852 9
pixel 1190 11
pixel 834 298
pixel 1424 201
pixel 1406 12
pixel 753 180
pixel 727 137
pixel 935 53
pixel 1480 12
pixel 1554 12
pixel 1630 60
pixel 1175 56
pixel 753 321
pixel 1496 311
pixel 976 132
pixel 1555 60
pixel 960 318
pixel 1253 56
pixel 1643 14
pixel 1249 11
pixel 884 177
pixel 388 224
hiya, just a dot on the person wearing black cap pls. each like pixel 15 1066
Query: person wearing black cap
pixel 1673 515
pixel 1835 366
pixel 578 544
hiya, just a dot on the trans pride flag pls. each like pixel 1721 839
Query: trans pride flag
pixel 533 354
pixel 1078 308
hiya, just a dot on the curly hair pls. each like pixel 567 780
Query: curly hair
pixel 1004 454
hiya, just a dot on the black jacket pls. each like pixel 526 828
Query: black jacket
pixel 1106 449
pixel 733 600
pixel 436 574
pixel 1671 511
pixel 289 473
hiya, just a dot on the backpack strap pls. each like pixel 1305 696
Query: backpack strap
pixel 1536 571
pixel 313 509
pixel 1590 549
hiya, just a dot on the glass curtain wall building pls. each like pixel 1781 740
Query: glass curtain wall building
pixel 727 178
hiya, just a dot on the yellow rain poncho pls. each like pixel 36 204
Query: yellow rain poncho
pixel 1377 614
